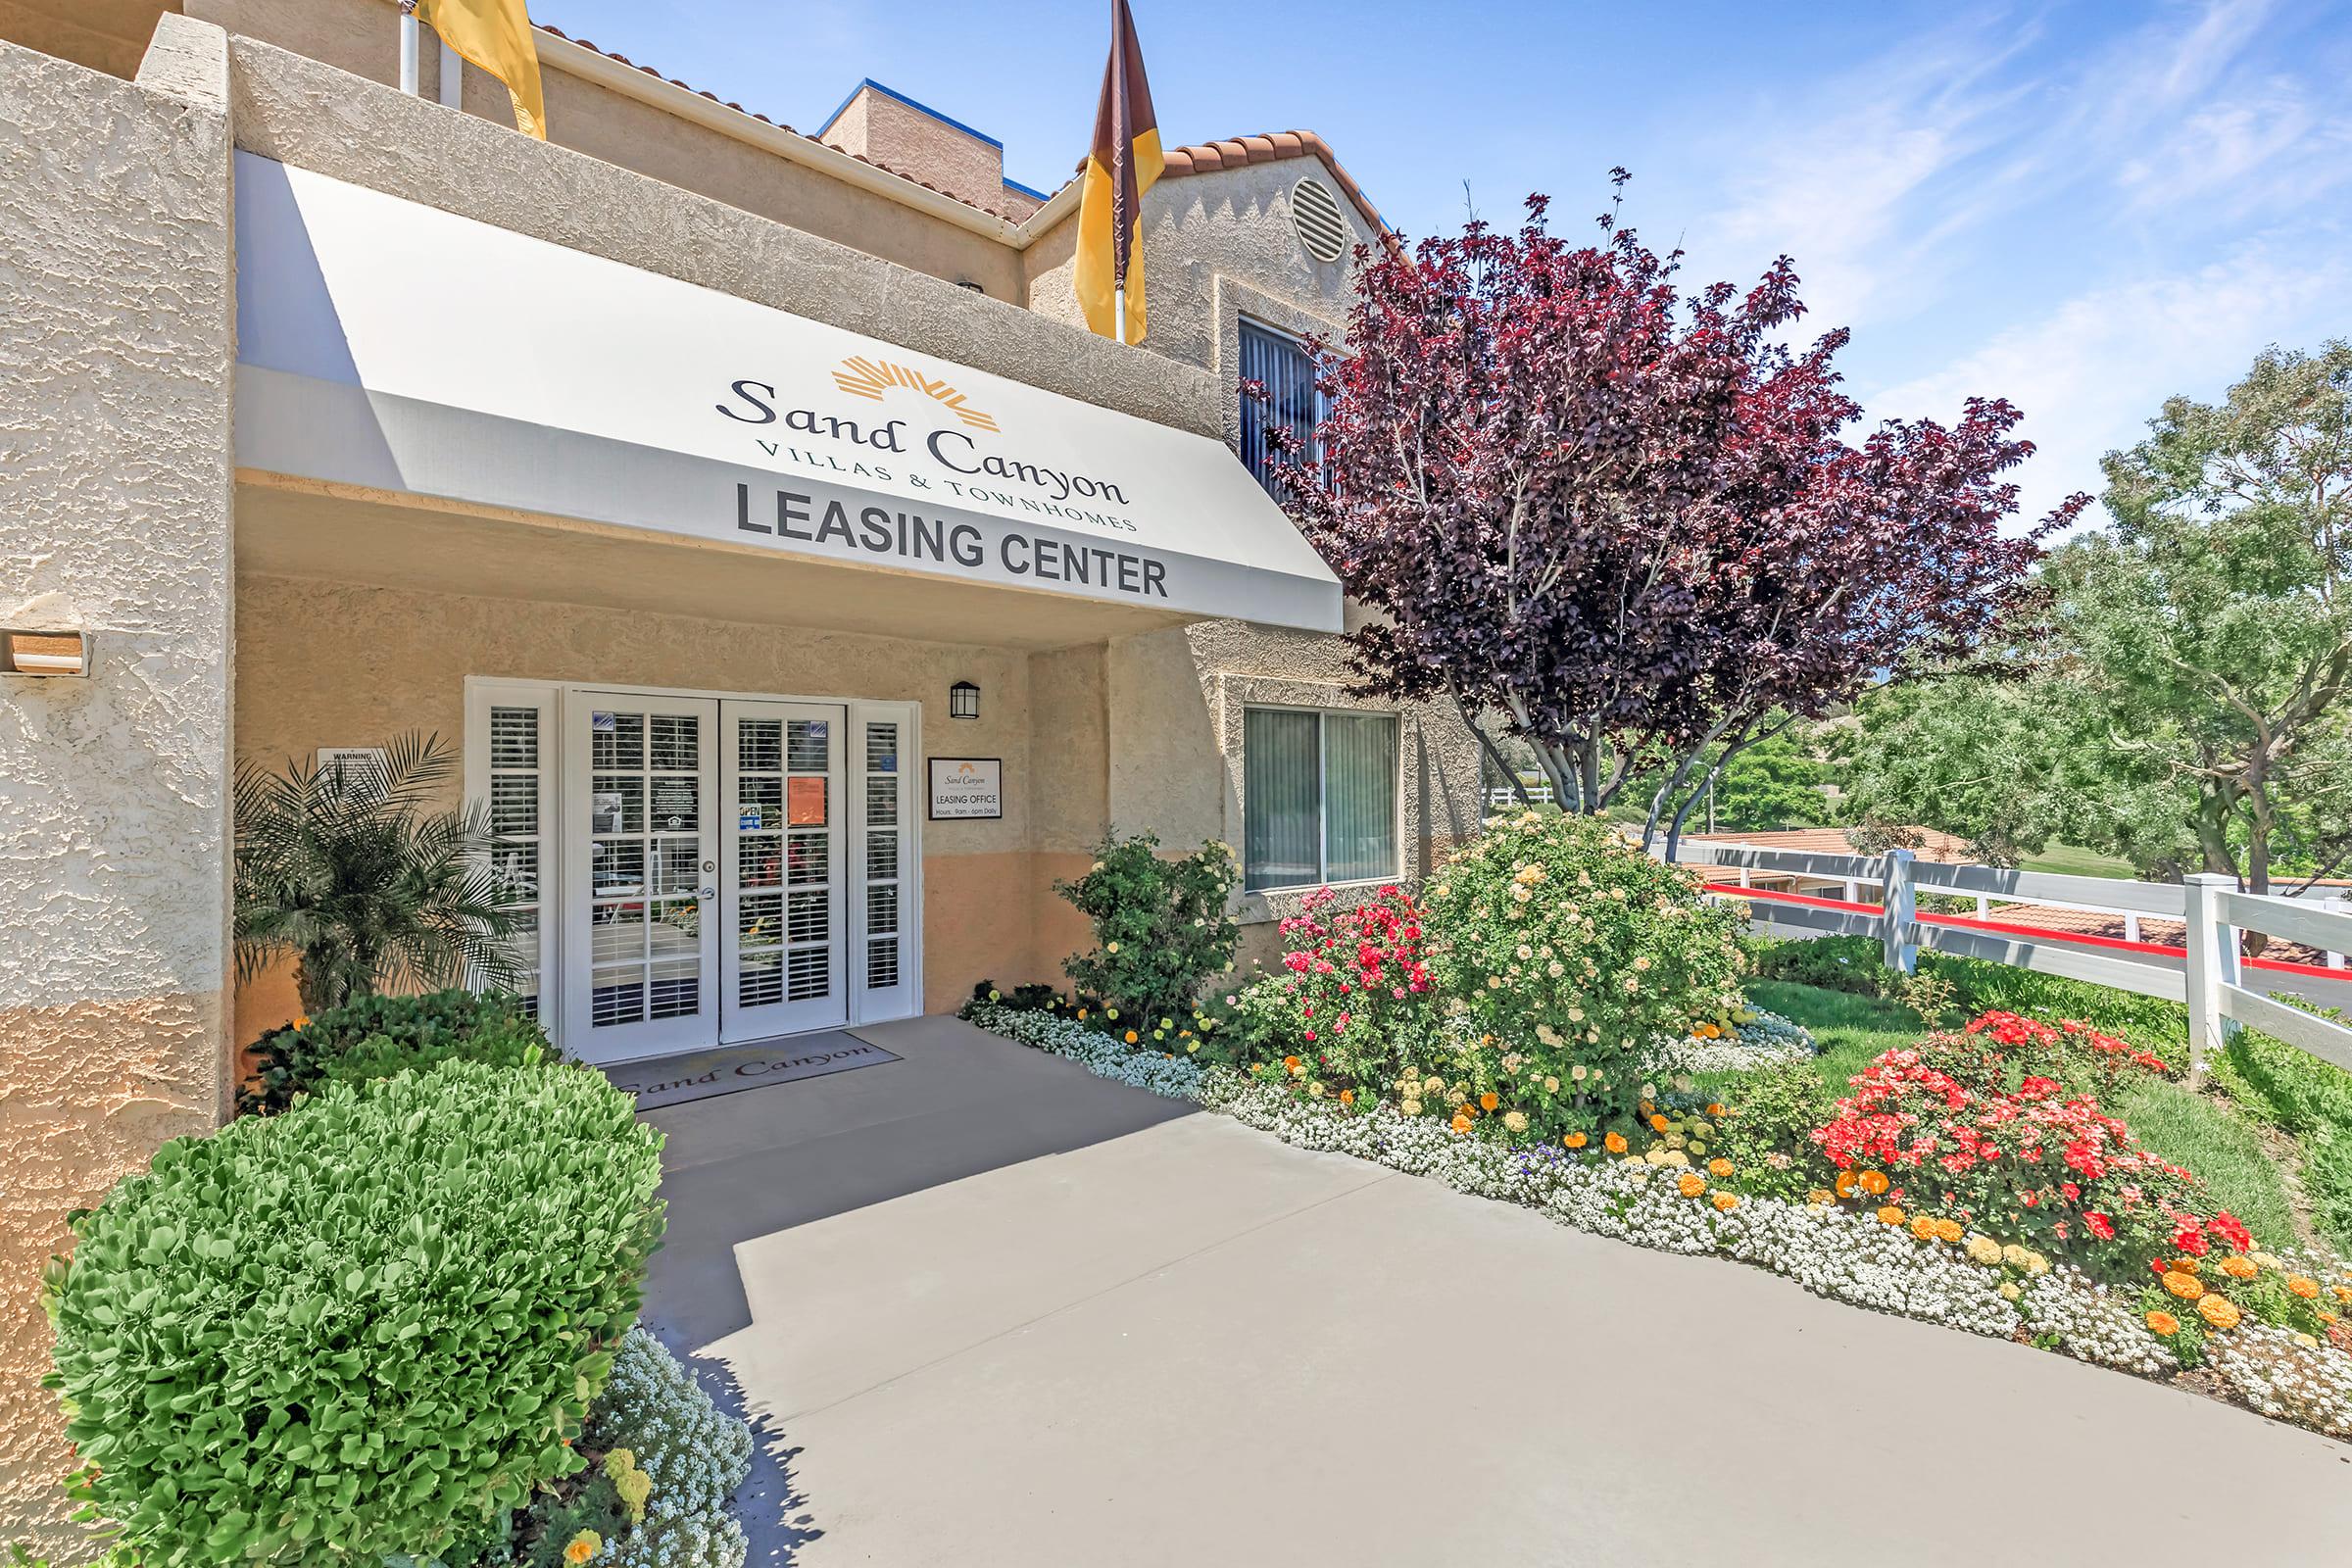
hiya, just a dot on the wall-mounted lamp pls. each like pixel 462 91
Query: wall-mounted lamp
pixel 963 700
pixel 38 651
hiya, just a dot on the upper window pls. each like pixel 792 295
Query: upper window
pixel 1318 797
pixel 1282 365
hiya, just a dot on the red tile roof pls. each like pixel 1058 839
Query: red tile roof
pixel 1272 147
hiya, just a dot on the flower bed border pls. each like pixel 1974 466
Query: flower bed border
pixel 1832 1251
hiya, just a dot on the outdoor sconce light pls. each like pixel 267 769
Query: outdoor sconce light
pixel 963 700
pixel 38 651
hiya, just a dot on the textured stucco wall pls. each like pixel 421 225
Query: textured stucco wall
pixel 114 416
pixel 304 113
pixel 108 35
pixel 404 655
pixel 1176 700
pixel 1229 228
pixel 360 36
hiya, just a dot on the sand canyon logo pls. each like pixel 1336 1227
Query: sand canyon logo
pixel 861 377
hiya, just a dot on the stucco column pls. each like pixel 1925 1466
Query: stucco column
pixel 114 246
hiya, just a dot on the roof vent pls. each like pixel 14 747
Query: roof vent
pixel 1315 214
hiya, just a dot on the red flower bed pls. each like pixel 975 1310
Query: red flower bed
pixel 2029 1160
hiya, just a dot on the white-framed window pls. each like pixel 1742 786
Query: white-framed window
pixel 1318 797
pixel 511 766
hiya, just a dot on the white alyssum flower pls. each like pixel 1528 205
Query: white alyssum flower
pixel 696 1456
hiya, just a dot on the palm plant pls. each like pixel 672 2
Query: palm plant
pixel 364 882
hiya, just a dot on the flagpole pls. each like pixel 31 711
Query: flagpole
pixel 409 31
pixel 1119 311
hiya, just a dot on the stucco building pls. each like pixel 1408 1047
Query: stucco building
pixel 691 474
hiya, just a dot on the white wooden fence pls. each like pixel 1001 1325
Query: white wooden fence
pixel 2208 973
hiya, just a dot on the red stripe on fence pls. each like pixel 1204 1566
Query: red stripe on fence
pixel 2039 933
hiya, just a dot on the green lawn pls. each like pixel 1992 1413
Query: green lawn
pixel 2067 861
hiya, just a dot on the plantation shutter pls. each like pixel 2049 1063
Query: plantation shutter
pixel 511 769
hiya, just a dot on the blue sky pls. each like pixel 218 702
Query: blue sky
pixel 2083 208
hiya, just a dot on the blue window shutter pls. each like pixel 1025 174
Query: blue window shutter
pixel 1284 368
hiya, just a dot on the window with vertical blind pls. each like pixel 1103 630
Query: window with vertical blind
pixel 1318 797
pixel 1281 363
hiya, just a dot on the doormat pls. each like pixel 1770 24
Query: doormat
pixel 729 1069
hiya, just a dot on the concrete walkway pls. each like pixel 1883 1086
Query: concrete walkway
pixel 1169 1340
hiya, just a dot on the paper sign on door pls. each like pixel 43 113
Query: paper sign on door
pixel 805 802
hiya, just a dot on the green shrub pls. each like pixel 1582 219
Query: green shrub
pixel 1767 1133
pixel 377 1036
pixel 2283 1085
pixel 1559 953
pixel 2327 1185
pixel 1852 965
pixel 359 1328
pixel 1162 929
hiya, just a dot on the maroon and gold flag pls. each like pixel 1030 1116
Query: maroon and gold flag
pixel 1123 164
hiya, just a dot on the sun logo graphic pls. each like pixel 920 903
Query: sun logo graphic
pixel 861 377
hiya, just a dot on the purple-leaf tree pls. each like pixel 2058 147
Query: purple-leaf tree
pixel 1620 520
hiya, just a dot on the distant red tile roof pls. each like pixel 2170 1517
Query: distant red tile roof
pixel 1934 846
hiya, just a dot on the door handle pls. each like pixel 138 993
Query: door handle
pixel 710 893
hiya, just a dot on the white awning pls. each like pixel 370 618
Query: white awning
pixel 394 346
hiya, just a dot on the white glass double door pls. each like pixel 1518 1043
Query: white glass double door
pixel 734 868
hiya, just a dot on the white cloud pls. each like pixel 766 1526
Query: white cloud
pixel 2090 373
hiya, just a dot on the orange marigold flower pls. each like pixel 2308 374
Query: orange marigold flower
pixel 2239 1268
pixel 1873 1182
pixel 1719 1167
pixel 1461 1122
pixel 1949 1230
pixel 1715 1107
pixel 1692 1183
pixel 2184 1265
pixel 1489 1100
pixel 2188 1286
pixel 1576 1140
pixel 2343 1294
pixel 1923 1227
pixel 2162 1323
pixel 1845 1184
pixel 1347 1097
pixel 1658 1124
pixel 1725 1202
pixel 2303 1286
pixel 1291 1062
pixel 1614 1143
pixel 2217 1310
pixel 1131 1037
pixel 1891 1215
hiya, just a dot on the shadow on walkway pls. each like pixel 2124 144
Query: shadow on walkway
pixel 959 1102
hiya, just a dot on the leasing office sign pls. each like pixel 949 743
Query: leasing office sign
pixel 390 345
pixel 946 459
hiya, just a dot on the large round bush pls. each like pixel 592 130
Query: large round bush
pixel 360 1328
pixel 1560 952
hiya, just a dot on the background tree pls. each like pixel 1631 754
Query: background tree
pixel 355 874
pixel 2188 709
pixel 1619 521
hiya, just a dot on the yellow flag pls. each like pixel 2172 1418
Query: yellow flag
pixel 1120 166
pixel 495 36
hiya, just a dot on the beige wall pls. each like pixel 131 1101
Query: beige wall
pixel 109 35
pixel 114 412
pixel 402 658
